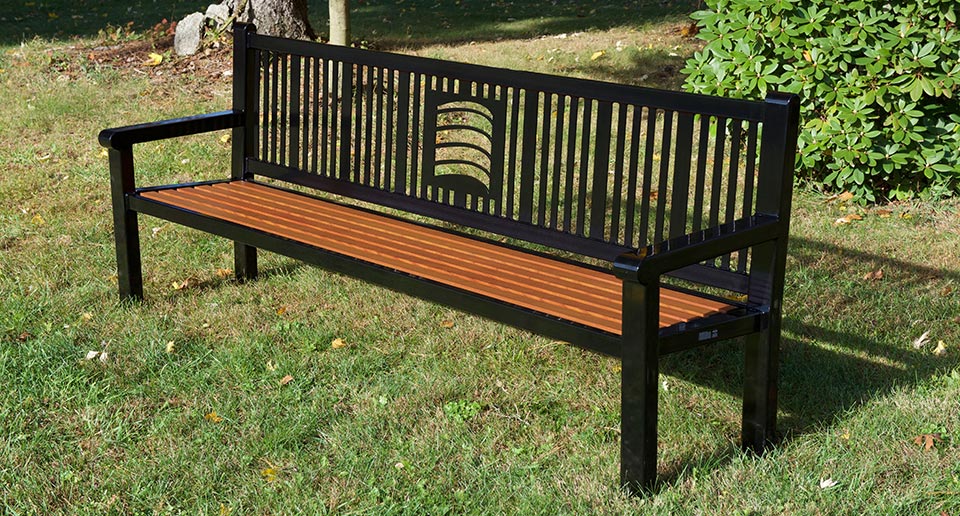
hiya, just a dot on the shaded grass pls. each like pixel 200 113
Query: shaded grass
pixel 132 434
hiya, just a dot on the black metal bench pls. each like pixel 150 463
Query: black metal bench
pixel 609 216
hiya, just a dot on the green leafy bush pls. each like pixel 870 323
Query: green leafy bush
pixel 879 81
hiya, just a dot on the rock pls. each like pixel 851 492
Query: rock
pixel 189 34
pixel 219 13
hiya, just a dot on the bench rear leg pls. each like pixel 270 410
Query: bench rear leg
pixel 244 261
pixel 761 359
pixel 639 382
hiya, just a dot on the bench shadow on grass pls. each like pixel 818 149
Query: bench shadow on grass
pixel 817 385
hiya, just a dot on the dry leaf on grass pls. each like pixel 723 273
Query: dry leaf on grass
pixel 286 379
pixel 170 347
pixel 213 417
pixel 847 219
pixel 828 483
pixel 921 340
pixel 269 474
pixel 927 441
pixel 941 349
pixel 874 275
pixel 447 323
pixel 153 59
pixel 338 343
pixel 597 55
pixel 224 273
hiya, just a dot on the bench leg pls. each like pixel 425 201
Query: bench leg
pixel 639 383
pixel 761 357
pixel 244 261
pixel 125 231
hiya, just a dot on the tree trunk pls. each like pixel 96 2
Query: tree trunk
pixel 284 18
pixel 339 22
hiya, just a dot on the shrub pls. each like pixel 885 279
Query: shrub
pixel 879 81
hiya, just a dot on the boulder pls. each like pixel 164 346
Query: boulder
pixel 189 35
pixel 219 13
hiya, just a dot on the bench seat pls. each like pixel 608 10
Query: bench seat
pixel 551 286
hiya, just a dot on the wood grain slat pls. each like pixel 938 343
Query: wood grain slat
pixel 553 287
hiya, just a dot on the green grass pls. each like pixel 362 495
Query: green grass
pixel 412 417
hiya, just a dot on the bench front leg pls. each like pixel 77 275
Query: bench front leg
pixel 125 230
pixel 638 383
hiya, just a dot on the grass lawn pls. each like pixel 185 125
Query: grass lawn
pixel 217 398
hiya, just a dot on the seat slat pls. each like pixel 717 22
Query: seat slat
pixel 549 286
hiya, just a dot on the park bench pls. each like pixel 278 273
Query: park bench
pixel 630 221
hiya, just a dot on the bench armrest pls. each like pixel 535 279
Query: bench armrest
pixel 125 137
pixel 646 265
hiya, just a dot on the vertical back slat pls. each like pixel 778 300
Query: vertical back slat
pixel 514 121
pixel 528 155
pixel 274 122
pixel 646 184
pixel 417 130
pixel 632 177
pixel 544 159
pixel 618 173
pixel 736 131
pixel 717 179
pixel 367 123
pixel 584 167
pixel 748 185
pixel 681 175
pixel 703 145
pixel 346 102
pixel 305 118
pixel 403 116
pixel 557 158
pixel 295 107
pixel 571 163
pixel 317 100
pixel 284 121
pixel 663 181
pixel 388 145
pixel 601 159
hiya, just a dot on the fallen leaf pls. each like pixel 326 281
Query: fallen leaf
pixel 921 340
pixel 225 138
pixel 269 474
pixel 946 291
pixel 103 356
pixel 180 285
pixel 170 347
pixel 213 417
pixel 271 366
pixel 86 316
pixel 286 379
pixel 906 215
pixel 828 483
pixel 847 219
pixel 446 323
pixel 338 343
pixel 37 220
pixel 91 355
pixel 927 441
pixel 282 310
pixel 883 214
pixel 845 196
pixel 807 57
pixel 874 275
pixel 941 349
pixel 154 59
pixel 224 273
pixel 597 55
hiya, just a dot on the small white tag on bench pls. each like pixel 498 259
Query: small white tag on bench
pixel 707 335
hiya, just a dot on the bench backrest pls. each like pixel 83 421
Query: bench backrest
pixel 587 167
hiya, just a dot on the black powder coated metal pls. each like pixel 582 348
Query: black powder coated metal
pixel 656 184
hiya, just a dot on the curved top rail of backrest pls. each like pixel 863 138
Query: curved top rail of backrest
pixel 597 90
